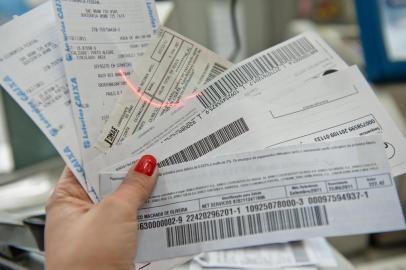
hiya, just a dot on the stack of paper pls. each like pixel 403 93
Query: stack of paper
pixel 276 148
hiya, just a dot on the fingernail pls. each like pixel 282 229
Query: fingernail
pixel 146 165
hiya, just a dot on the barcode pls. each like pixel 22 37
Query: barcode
pixel 290 53
pixel 216 70
pixel 207 144
pixel 231 227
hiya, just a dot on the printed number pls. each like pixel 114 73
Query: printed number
pixel 273 205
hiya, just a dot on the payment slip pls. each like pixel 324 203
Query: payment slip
pixel 288 193
pixel 296 60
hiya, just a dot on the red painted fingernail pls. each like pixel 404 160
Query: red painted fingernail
pixel 146 165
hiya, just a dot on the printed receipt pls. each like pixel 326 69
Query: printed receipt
pixel 289 193
pixel 31 71
pixel 315 251
pixel 99 38
pixel 45 96
pixel 171 71
pixel 331 107
pixel 296 60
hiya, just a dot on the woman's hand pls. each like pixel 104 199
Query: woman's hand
pixel 82 235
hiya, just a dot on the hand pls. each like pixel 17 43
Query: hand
pixel 81 235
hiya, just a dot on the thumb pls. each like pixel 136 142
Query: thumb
pixel 139 183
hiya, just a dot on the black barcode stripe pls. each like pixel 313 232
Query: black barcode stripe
pixel 216 70
pixel 289 53
pixel 231 227
pixel 207 144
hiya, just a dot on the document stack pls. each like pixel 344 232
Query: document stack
pixel 290 144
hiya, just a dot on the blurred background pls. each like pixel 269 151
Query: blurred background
pixel 368 33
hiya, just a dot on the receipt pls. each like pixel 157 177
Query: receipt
pixel 31 71
pixel 172 69
pixel 336 106
pixel 45 96
pixel 288 193
pixel 296 60
pixel 314 251
pixel 98 39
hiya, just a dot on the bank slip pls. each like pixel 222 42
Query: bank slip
pixel 331 107
pixel 296 60
pixel 98 39
pixel 168 75
pixel 31 71
pixel 288 193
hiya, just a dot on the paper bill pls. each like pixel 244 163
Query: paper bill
pixel 99 38
pixel 288 193
pixel 336 106
pixel 31 71
pixel 296 60
pixel 168 75
pixel 314 251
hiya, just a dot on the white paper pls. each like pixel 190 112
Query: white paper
pixel 195 266
pixel 321 252
pixel 314 251
pixel 262 257
pixel 341 187
pixel 336 106
pixel 171 70
pixel 296 60
pixel 99 38
pixel 32 72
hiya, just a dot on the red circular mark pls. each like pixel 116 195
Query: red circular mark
pixel 136 90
